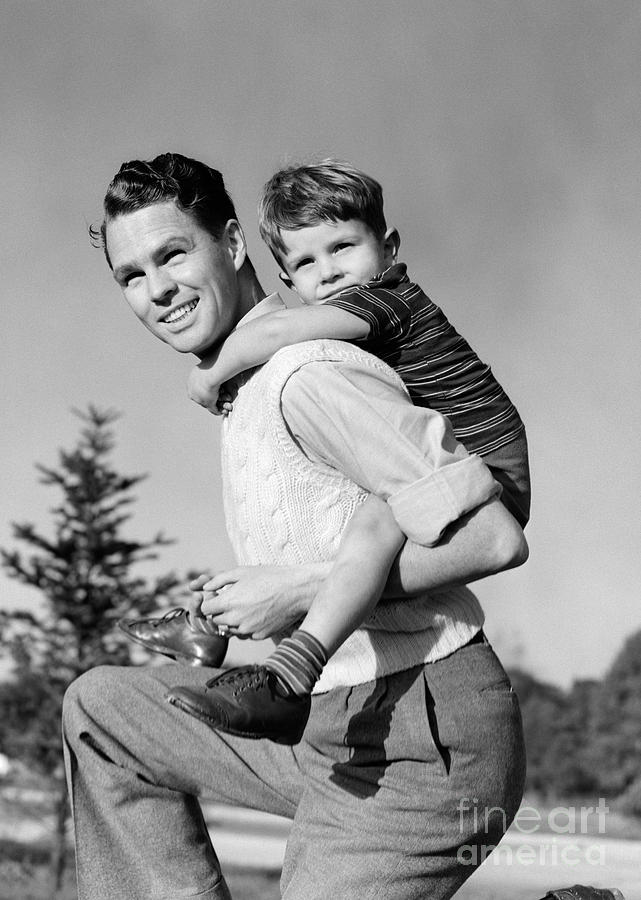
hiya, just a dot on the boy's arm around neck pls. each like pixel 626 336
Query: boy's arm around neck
pixel 258 340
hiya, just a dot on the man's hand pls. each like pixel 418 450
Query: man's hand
pixel 257 601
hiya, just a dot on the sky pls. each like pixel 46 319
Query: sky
pixel 507 137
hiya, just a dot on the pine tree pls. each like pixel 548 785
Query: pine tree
pixel 86 581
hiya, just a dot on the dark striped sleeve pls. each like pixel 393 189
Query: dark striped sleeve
pixel 386 311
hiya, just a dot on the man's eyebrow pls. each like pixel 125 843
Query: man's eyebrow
pixel 121 271
pixel 158 252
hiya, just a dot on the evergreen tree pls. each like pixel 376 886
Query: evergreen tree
pixel 85 578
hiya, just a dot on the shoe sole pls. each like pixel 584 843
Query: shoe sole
pixel 287 740
pixel 176 655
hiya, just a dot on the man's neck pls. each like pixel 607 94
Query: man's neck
pixel 251 291
pixel 250 295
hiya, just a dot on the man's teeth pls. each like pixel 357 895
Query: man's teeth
pixel 181 311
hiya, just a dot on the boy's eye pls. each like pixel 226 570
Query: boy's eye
pixel 342 246
pixel 303 262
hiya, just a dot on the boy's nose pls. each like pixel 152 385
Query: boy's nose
pixel 330 271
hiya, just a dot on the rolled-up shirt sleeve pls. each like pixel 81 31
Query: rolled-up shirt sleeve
pixel 360 421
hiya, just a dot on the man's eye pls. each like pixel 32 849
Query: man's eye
pixel 130 279
pixel 174 255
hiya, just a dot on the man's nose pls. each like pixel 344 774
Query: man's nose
pixel 161 286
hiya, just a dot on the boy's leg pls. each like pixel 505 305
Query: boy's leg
pixel 272 700
pixel 510 466
pixel 136 766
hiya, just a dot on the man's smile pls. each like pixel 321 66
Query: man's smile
pixel 180 312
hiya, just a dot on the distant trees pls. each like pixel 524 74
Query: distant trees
pixel 543 706
pixel 86 579
pixel 587 740
pixel 618 716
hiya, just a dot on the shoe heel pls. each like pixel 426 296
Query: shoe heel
pixel 290 739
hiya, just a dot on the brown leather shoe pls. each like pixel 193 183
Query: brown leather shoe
pixel 584 892
pixel 175 634
pixel 246 701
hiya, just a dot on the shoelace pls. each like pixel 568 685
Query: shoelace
pixel 156 621
pixel 241 679
pixel 197 623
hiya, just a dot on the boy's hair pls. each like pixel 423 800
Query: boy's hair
pixel 327 191
pixel 196 188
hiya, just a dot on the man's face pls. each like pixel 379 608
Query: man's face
pixel 180 282
pixel 322 260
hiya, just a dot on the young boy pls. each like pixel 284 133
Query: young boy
pixel 325 226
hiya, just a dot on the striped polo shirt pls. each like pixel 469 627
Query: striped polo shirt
pixel 439 368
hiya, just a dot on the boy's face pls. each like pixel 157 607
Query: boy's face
pixel 322 260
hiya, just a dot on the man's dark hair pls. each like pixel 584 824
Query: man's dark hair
pixel 196 188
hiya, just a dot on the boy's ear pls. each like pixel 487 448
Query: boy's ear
pixel 391 245
pixel 284 277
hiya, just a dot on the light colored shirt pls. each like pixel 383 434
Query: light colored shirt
pixel 346 417
pixel 311 432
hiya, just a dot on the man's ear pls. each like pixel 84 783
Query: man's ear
pixel 391 245
pixel 284 277
pixel 236 243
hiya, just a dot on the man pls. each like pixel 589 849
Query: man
pixel 413 752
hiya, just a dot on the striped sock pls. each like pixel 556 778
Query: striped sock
pixel 297 662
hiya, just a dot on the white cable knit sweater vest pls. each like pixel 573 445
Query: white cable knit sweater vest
pixel 282 508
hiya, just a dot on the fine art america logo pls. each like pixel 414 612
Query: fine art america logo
pixel 533 836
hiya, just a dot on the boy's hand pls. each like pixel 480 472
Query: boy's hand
pixel 204 391
pixel 225 401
